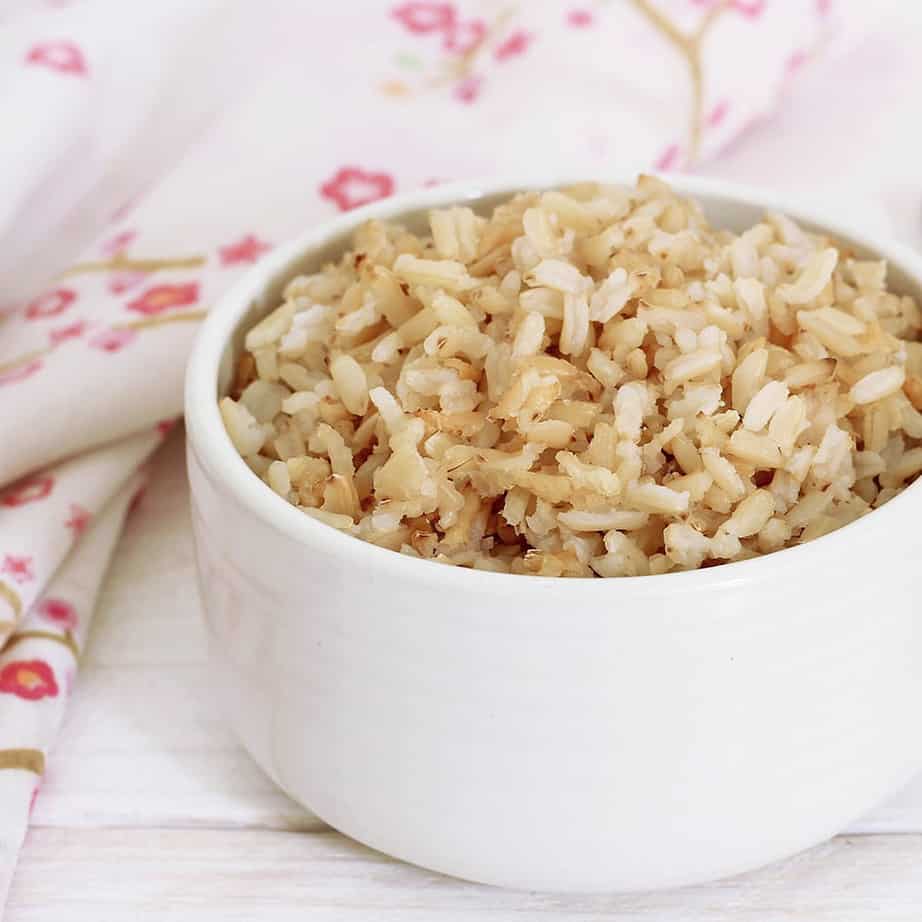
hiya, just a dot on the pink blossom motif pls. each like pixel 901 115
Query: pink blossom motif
pixel 18 568
pixel 51 303
pixel 422 17
pixel 580 19
pixel 165 427
pixel 351 187
pixel 31 490
pixel 119 243
pixel 468 90
pixel 668 159
pixel 823 7
pixel 79 520
pixel 514 45
pixel 162 298
pixel 121 282
pixel 795 62
pixel 463 37
pixel 112 340
pixel 29 679
pixel 72 331
pixel 64 57
pixel 430 183
pixel 59 611
pixel 718 113
pixel 20 372
pixel 246 250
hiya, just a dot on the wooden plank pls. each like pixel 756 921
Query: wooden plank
pixel 232 876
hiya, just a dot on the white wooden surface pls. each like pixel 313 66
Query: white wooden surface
pixel 150 806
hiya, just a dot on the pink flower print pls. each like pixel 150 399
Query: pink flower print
pixel 73 331
pixel 51 303
pixel 162 298
pixel 423 17
pixel 718 113
pixel 30 490
pixel 464 37
pixel 752 9
pixel 514 45
pixel 246 250
pixel 18 568
pixel 165 427
pixel 668 159
pixel 468 90
pixel 580 19
pixel 79 520
pixel 61 612
pixel 64 57
pixel 112 340
pixel 20 372
pixel 795 62
pixel 121 282
pixel 352 186
pixel 29 679
pixel 119 243
pixel 823 6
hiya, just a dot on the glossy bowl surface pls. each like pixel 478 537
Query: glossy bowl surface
pixel 554 734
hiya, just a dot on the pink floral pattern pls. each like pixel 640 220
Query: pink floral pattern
pixel 580 19
pixel 351 186
pixel 517 43
pixel 51 303
pixel 19 567
pixel 112 340
pixel 119 243
pixel 79 520
pixel 72 331
pixel 30 490
pixel 246 250
pixel 162 298
pixel 59 611
pixel 120 282
pixel 61 56
pixel 468 90
pixel 668 159
pixel 464 37
pixel 30 679
pixel 423 17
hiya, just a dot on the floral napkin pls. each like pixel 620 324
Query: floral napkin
pixel 141 175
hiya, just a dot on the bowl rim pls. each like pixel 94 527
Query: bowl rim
pixel 215 452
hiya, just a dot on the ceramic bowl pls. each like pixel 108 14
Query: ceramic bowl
pixel 553 734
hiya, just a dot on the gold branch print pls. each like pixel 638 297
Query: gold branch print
pixel 11 597
pixel 28 760
pixel 161 320
pixel 122 263
pixel 689 46
pixel 66 640
pixel 18 362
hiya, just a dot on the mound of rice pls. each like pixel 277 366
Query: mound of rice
pixel 588 382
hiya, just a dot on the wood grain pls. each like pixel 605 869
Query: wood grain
pixel 232 876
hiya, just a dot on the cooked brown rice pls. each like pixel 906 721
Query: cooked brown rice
pixel 591 381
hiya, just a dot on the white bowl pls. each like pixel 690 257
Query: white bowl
pixel 554 734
